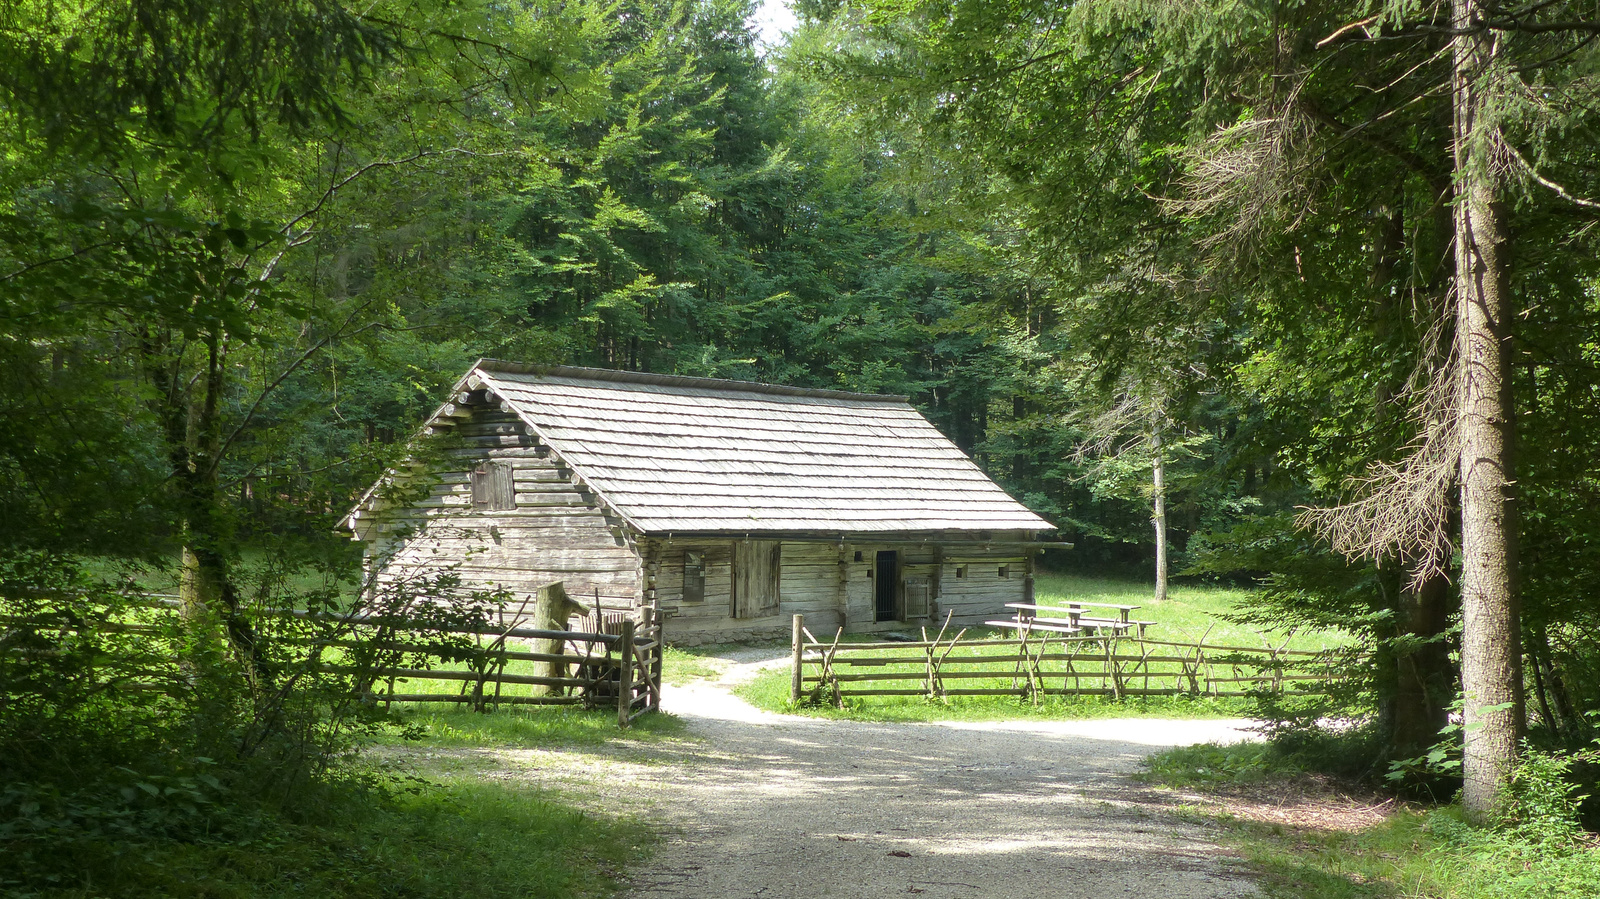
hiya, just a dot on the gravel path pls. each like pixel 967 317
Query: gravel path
pixel 764 806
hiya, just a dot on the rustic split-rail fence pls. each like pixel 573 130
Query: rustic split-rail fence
pixel 611 659
pixel 1038 663
pixel 615 662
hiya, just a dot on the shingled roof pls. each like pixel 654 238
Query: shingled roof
pixel 699 455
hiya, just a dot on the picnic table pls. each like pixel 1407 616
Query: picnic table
pixel 1073 618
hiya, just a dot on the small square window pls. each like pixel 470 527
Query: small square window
pixel 961 571
pixel 1005 570
pixel 858 556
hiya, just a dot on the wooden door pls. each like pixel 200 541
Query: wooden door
pixel 885 580
pixel 757 577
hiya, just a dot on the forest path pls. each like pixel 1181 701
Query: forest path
pixel 765 806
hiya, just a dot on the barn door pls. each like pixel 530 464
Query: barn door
pixel 757 572
pixel 885 579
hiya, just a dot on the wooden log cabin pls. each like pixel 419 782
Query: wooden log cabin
pixel 726 505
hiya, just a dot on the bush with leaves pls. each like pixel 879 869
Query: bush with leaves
pixel 124 721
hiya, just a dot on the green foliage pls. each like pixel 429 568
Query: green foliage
pixel 1211 765
pixel 125 721
pixel 235 274
pixel 1539 851
pixel 1541 802
pixel 424 840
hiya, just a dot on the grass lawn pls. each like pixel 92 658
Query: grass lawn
pixel 1412 851
pixel 682 665
pixel 521 726
pixel 1432 854
pixel 1191 613
pixel 433 841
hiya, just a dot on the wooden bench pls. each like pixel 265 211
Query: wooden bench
pixel 1053 625
pixel 1075 617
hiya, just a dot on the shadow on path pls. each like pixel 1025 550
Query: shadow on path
pixel 777 806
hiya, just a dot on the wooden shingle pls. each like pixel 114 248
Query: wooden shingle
pixel 698 455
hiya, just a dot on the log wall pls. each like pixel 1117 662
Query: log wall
pixel 823 581
pixel 557 532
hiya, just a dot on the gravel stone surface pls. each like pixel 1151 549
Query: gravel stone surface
pixel 764 806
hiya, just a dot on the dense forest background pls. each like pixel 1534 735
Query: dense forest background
pixel 245 249
pixel 664 198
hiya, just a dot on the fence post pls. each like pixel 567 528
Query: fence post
pixel 657 635
pixel 796 644
pixel 625 676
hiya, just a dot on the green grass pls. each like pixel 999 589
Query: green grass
pixel 684 665
pixel 1208 765
pixel 1189 614
pixel 553 726
pixel 437 842
pixel 1414 853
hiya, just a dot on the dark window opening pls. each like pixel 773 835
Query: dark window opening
pixel 694 577
pixel 858 555
pixel 1005 570
pixel 887 605
pixel 961 571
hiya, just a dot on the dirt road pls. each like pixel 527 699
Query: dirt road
pixel 785 807
pixel 763 806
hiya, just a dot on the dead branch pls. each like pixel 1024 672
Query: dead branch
pixel 1248 171
pixel 1401 510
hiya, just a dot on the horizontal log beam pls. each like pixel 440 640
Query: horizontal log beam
pixel 487 700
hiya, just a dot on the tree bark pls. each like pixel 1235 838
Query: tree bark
pixel 1424 685
pixel 552 609
pixel 1159 516
pixel 191 431
pixel 1491 675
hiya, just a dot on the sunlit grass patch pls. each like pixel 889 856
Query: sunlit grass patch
pixel 1189 614
pixel 684 665
pixel 533 727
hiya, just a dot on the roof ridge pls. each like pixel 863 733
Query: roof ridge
pixel 639 377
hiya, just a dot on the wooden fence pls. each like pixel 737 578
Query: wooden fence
pixel 1035 664
pixel 592 669
pixel 615 663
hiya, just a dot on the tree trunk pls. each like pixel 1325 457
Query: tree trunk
pixel 1424 683
pixel 191 430
pixel 551 610
pixel 1491 675
pixel 1159 517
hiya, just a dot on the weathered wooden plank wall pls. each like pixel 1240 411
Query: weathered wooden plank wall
pixel 555 533
pixel 832 589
